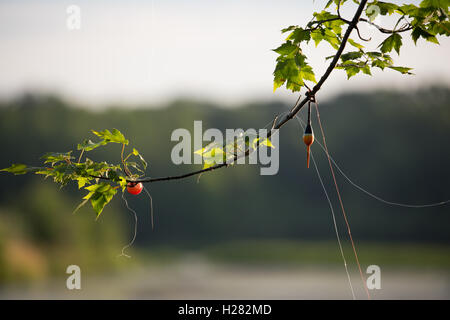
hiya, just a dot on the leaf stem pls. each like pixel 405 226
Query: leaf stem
pixel 125 169
pixel 81 154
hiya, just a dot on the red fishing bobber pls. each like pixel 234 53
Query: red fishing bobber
pixel 134 188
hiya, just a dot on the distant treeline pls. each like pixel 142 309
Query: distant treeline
pixel 395 144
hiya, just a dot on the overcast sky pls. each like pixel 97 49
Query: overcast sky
pixel 139 51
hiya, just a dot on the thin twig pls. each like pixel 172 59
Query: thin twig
pixel 81 154
pixel 318 23
pixel 383 30
pixel 125 169
pixel 339 13
pixel 360 36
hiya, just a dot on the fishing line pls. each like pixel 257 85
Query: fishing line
pixel 335 226
pixel 333 215
pixel 135 228
pixel 151 205
pixel 399 204
pixel 331 159
pixel 435 204
pixel 341 202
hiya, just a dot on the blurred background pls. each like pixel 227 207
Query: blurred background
pixel 150 67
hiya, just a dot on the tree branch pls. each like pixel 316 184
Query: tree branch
pixel 359 35
pixel 297 107
pixel 320 22
pixel 339 13
pixel 407 27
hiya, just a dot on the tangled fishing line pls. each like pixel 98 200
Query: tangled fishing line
pixel 332 162
pixel 133 212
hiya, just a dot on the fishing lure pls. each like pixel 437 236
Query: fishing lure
pixel 308 136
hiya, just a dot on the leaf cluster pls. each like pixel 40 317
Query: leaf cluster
pixel 100 179
pixel 427 21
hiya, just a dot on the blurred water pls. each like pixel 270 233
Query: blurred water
pixel 197 279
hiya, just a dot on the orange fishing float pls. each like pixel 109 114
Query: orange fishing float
pixel 308 136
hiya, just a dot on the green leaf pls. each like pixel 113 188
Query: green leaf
pixel 403 70
pixel 62 173
pixel 82 181
pixel 355 44
pixel 379 64
pixel 94 168
pixel 277 83
pixel 366 70
pixel 134 165
pixel 290 28
pixel 79 206
pixel 114 136
pixel 55 157
pixel 328 4
pixel 334 25
pixel 113 175
pixel 286 49
pixel 123 183
pixel 307 73
pixel 16 168
pixel 292 71
pixel 336 2
pixel 141 158
pixel 144 163
pixel 200 151
pixel 374 54
pixel 352 55
pixel 100 195
pixel 386 7
pixel 392 42
pixel 441 28
pixel 419 32
pixel 435 4
pixel 351 71
pixel 408 9
pixel 287 71
pixel 324 15
pixel 88 145
pixel 210 161
pixel 207 165
pixel 215 155
pixel 266 142
pixel 327 35
pixel 299 35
